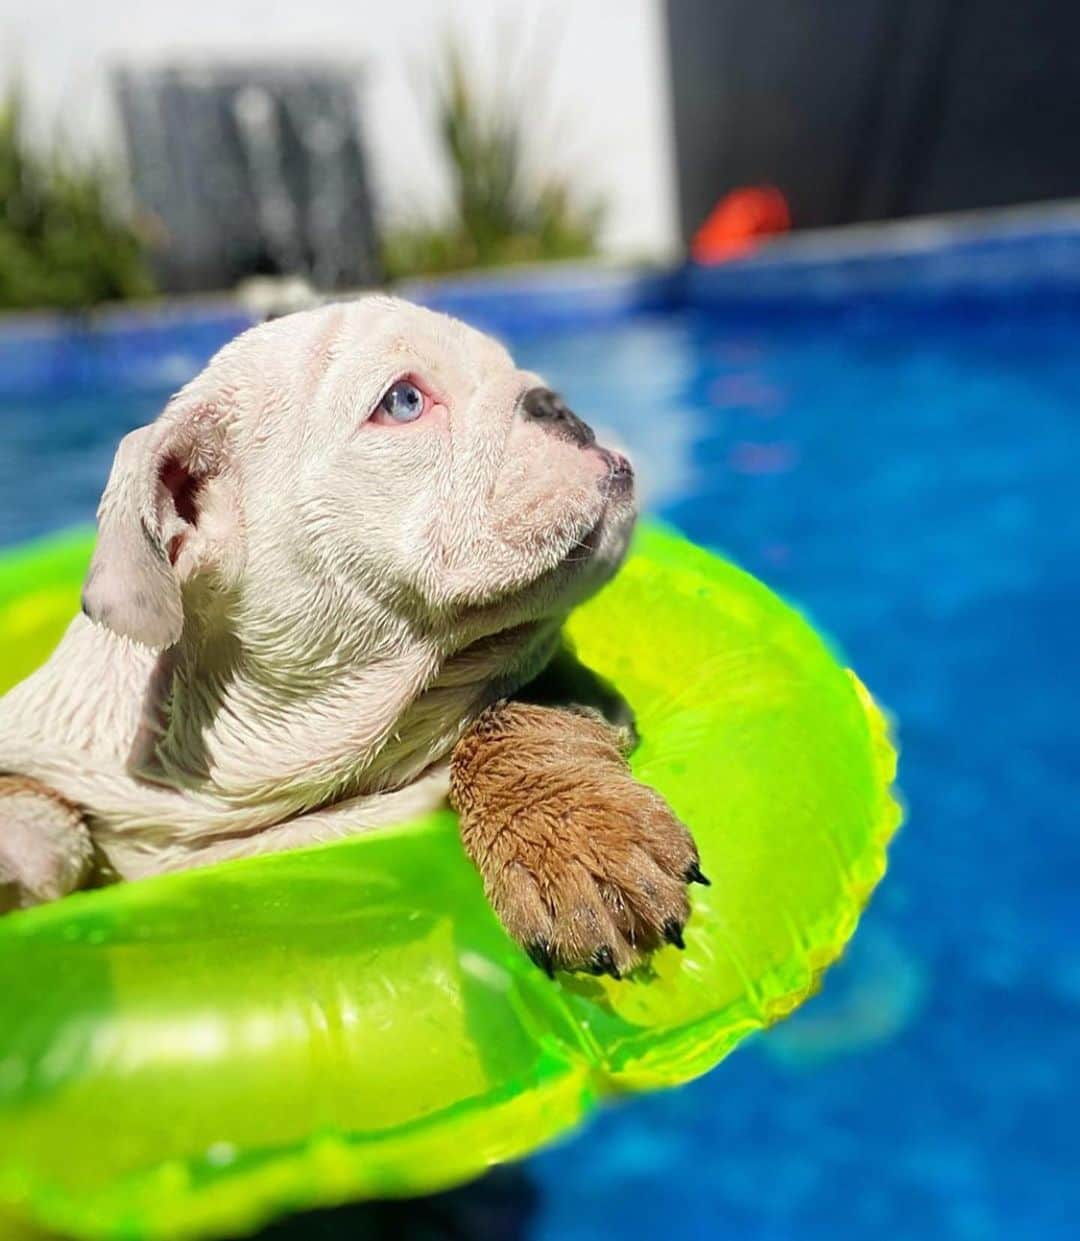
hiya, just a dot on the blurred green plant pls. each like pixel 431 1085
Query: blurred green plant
pixel 502 212
pixel 62 244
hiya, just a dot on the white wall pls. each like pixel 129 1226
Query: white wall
pixel 595 71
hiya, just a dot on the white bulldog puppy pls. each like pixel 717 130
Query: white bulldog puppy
pixel 320 575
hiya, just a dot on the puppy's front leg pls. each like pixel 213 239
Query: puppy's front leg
pixel 586 867
pixel 45 849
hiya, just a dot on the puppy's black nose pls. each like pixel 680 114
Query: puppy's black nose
pixel 551 412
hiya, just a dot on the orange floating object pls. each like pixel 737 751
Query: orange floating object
pixel 738 221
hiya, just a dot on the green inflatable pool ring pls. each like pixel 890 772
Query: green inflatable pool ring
pixel 190 1055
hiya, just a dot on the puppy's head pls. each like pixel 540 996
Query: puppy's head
pixel 362 461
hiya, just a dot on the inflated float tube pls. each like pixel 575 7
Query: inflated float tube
pixel 189 1055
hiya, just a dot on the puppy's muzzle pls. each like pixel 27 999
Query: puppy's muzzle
pixel 547 408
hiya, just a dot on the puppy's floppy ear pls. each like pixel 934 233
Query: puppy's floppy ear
pixel 148 514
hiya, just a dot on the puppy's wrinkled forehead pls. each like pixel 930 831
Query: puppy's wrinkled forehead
pixel 351 352
pixel 436 340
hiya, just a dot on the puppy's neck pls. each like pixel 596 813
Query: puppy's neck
pixel 290 727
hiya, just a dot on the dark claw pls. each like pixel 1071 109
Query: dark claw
pixel 540 955
pixel 603 962
pixel 694 875
pixel 673 933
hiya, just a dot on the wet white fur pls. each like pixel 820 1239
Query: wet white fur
pixel 297 663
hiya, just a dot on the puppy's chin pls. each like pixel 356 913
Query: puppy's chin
pixel 597 554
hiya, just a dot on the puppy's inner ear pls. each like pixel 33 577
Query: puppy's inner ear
pixel 182 486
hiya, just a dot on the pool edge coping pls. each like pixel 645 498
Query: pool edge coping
pixel 982 256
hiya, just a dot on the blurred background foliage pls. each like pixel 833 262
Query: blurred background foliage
pixel 63 243
pixel 503 209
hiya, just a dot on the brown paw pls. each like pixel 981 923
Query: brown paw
pixel 587 868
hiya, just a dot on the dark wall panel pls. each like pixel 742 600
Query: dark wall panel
pixel 868 109
pixel 1008 129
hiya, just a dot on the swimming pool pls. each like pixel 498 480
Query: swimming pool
pixel 898 455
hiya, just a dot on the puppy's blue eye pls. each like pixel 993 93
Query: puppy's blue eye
pixel 403 403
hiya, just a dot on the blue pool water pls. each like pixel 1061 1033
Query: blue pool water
pixel 913 484
pixel 911 480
